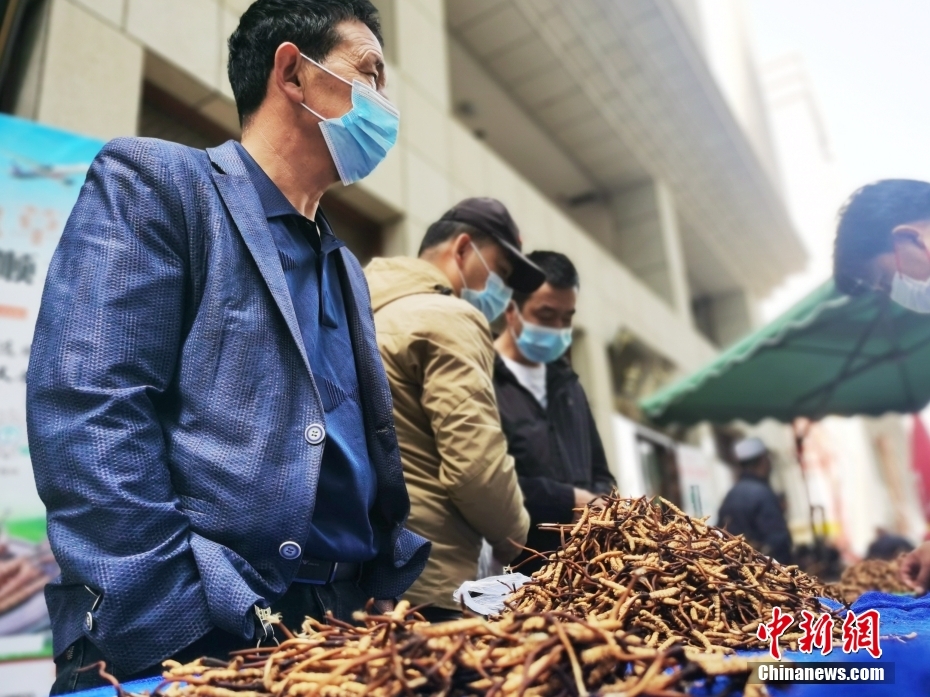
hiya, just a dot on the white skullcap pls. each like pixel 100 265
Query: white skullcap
pixel 749 449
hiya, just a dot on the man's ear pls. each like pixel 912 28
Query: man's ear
pixel 460 245
pixel 908 234
pixel 286 71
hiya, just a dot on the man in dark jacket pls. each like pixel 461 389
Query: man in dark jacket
pixel 550 431
pixel 209 419
pixel 751 507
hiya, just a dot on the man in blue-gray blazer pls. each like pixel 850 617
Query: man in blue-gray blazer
pixel 209 419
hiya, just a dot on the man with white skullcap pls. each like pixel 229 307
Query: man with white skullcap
pixel 751 508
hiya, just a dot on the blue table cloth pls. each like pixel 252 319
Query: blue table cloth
pixel 137 686
pixel 899 616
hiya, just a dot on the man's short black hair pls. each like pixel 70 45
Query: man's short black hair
pixel 309 24
pixel 444 230
pixel 865 224
pixel 753 462
pixel 559 269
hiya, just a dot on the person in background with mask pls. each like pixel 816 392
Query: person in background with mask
pixel 432 316
pixel 544 411
pixel 883 245
pixel 209 420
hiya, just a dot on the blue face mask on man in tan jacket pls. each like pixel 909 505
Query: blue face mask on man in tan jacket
pixel 438 354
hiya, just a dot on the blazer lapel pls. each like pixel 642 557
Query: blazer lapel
pixel 242 201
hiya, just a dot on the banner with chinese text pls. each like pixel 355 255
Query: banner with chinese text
pixel 41 172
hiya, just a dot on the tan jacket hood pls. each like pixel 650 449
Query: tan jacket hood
pixel 393 278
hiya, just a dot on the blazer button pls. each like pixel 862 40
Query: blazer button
pixel 315 434
pixel 88 622
pixel 289 550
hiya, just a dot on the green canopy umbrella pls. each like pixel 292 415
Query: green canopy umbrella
pixel 829 354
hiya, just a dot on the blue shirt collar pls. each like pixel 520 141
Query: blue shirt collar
pixel 275 204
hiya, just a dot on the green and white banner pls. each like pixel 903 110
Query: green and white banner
pixel 41 172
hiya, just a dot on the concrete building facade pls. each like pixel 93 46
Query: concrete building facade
pixel 602 125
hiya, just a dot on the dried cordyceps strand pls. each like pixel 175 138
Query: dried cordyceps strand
pixel 532 654
pixel 100 667
pixel 870 575
pixel 667 577
pixel 20 579
pixel 640 600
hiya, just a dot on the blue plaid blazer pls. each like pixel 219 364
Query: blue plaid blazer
pixel 168 396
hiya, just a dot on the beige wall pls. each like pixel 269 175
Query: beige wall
pixel 436 163
pixel 646 237
pixel 87 75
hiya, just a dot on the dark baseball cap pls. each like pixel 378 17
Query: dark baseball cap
pixel 491 217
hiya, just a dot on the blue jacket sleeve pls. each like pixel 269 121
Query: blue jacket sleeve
pixel 106 345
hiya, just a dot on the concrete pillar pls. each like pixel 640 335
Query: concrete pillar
pixel 388 15
pixel 590 361
pixel 419 28
pixel 415 178
pixel 734 316
pixel 89 75
pixel 646 239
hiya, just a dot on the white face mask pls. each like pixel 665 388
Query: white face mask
pixel 910 293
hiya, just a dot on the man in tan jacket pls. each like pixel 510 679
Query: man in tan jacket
pixel 432 318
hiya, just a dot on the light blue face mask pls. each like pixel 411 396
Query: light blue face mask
pixel 540 344
pixel 360 139
pixel 491 300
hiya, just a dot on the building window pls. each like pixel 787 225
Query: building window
pixel 164 116
pixel 637 371
pixel 21 33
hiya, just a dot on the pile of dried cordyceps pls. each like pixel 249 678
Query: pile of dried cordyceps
pixel 521 654
pixel 22 577
pixel 870 575
pixel 671 578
